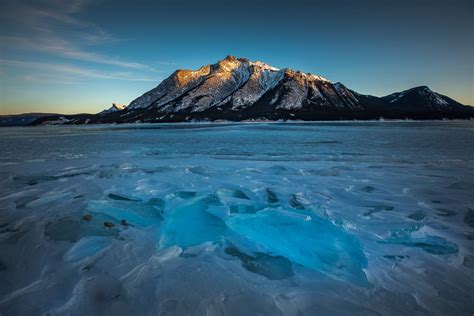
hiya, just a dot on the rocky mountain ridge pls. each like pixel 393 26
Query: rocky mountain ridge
pixel 237 89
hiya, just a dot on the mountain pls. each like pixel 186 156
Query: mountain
pixel 421 98
pixel 237 89
pixel 114 108
pixel 21 119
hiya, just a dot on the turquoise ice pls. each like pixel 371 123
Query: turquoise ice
pixel 313 242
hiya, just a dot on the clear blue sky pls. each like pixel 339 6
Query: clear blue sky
pixel 80 56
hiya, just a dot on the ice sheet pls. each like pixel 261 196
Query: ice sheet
pixel 237 219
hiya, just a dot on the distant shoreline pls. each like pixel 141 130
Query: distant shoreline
pixel 238 123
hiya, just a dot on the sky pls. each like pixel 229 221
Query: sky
pixel 80 56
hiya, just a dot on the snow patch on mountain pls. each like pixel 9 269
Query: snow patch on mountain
pixel 262 79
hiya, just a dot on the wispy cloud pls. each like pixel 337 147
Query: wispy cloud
pixel 38 15
pixel 62 69
pixel 62 48
pixel 48 79
pixel 42 19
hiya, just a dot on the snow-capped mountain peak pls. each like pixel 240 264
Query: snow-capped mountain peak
pixel 236 81
pixel 240 89
pixel 114 108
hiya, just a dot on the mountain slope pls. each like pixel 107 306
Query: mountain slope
pixel 238 89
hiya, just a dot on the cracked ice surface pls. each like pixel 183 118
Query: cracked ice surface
pixel 211 219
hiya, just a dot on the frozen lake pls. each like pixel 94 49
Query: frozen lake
pixel 238 219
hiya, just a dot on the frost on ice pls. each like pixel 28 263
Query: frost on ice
pixel 276 219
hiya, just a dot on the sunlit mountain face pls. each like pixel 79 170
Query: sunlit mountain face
pixel 236 158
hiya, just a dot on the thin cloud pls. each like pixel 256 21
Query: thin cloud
pixel 73 70
pixel 62 48
pixel 45 39
pixel 47 79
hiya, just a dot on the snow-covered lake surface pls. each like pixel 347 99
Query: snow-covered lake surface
pixel 238 219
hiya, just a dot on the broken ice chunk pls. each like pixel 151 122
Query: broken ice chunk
pixel 190 224
pixel 271 267
pixel 315 244
pixel 271 196
pixel 431 244
pixel 33 180
pixel 70 229
pixel 137 214
pixel 248 208
pixel 295 215
pixel 317 209
pixel 157 203
pixel 299 203
pixel 225 194
pixel 202 171
pixel 48 198
pixel 377 208
pixel 242 209
pixel 296 202
pixel 411 236
pixel 87 247
pixel 417 216
pixel 185 195
pixel 122 197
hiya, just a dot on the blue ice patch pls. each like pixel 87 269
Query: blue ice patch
pixel 190 224
pixel 313 242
